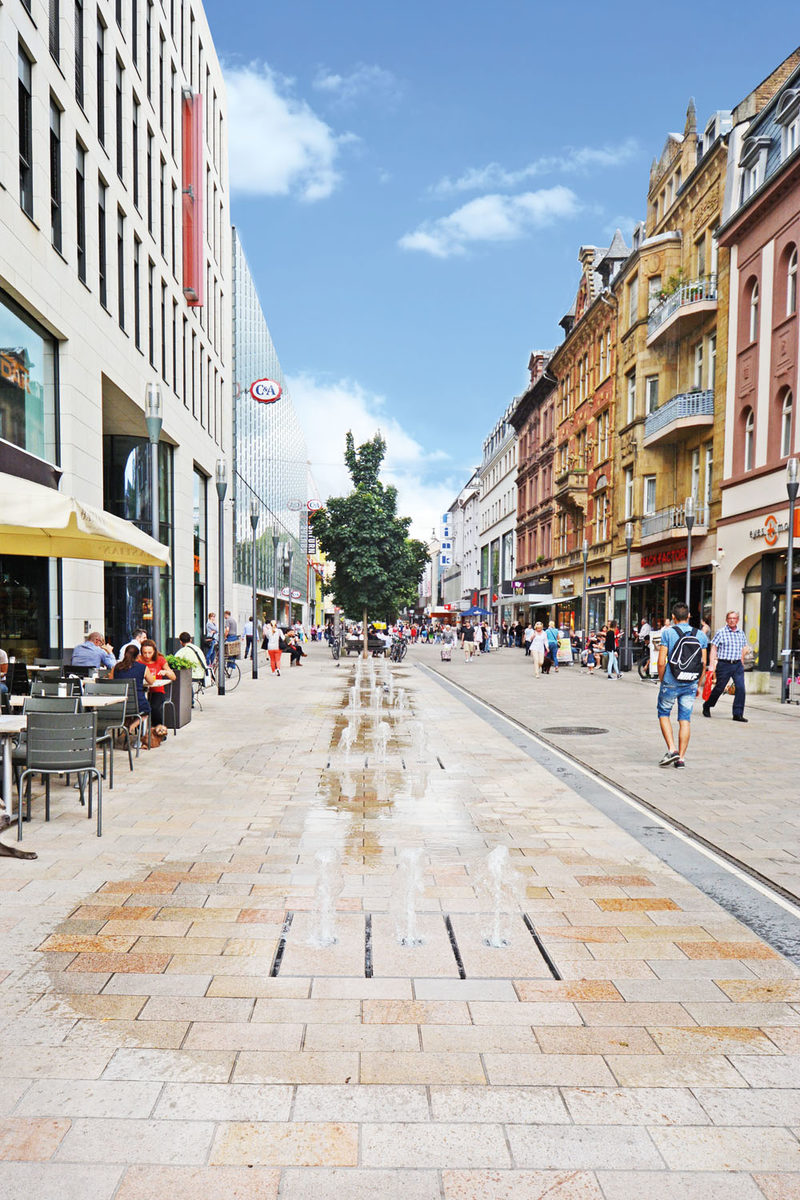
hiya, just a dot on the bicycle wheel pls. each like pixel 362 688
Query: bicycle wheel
pixel 401 650
pixel 233 675
pixel 335 649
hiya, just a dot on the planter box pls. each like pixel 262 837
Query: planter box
pixel 182 699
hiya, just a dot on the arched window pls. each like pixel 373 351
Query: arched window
pixel 754 312
pixel 749 438
pixel 786 425
pixel 791 283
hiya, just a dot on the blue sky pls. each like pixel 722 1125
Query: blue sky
pixel 412 182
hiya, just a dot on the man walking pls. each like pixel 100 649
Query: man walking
pixel 681 669
pixel 610 648
pixel 726 663
pixel 467 640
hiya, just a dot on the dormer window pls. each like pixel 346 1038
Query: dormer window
pixel 753 165
pixel 788 116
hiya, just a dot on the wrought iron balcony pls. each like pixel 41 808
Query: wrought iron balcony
pixel 691 299
pixel 687 410
pixel 671 522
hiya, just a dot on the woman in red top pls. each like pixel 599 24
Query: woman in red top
pixel 156 663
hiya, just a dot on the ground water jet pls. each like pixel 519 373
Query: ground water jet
pixel 329 886
pixel 409 887
pixel 501 885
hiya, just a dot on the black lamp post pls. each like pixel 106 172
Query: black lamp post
pixel 791 489
pixel 688 516
pixel 584 613
pixel 628 544
pixel 221 480
pixel 255 513
pixel 275 541
pixel 153 420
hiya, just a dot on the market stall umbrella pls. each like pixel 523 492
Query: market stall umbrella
pixel 40 522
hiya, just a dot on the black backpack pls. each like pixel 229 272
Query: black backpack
pixel 686 657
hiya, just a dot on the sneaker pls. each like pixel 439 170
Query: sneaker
pixel 669 758
pixel 679 762
pixel 277 672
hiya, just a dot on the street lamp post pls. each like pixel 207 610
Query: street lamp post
pixel 688 516
pixel 434 548
pixel 221 480
pixel 584 614
pixel 289 597
pixel 628 544
pixel 153 421
pixel 275 541
pixel 791 489
pixel 255 513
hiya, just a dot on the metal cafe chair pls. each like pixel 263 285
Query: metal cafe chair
pixel 17 679
pixel 49 687
pixel 47 662
pixel 110 722
pixel 119 687
pixel 46 704
pixel 58 744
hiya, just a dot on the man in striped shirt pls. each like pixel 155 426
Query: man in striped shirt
pixel 726 663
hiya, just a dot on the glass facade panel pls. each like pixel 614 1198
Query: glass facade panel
pixel 27 383
pixel 126 493
pixel 270 456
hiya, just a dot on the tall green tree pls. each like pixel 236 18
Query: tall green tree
pixel 378 566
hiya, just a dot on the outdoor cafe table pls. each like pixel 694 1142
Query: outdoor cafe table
pixel 86 701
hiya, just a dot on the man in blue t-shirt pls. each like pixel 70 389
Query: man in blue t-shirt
pixel 673 690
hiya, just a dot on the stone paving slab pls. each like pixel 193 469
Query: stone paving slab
pixel 739 788
pixel 156 1053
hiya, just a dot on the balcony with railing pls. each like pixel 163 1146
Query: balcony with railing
pixel 688 304
pixel 687 410
pixel 669 523
pixel 569 487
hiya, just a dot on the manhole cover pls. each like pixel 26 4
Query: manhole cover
pixel 573 730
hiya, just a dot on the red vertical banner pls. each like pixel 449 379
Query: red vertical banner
pixel 193 264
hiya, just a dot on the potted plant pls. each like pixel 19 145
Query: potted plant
pixel 181 694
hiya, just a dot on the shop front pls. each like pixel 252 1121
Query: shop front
pixel 658 581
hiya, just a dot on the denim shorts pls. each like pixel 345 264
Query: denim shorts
pixel 684 693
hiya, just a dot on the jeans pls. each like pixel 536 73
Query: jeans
pixel 727 671
pixel 613 663
pixel 684 694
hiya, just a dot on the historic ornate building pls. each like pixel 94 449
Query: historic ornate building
pixel 584 366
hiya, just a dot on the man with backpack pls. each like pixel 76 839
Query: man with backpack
pixel 682 658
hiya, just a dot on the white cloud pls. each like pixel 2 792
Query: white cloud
pixel 372 81
pixel 573 160
pixel 491 218
pixel 426 483
pixel 278 145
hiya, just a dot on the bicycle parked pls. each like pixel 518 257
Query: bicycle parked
pixel 398 649
pixel 233 674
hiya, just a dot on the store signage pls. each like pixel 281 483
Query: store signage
pixel 773 528
pixel 593 580
pixel 314 505
pixel 266 391
pixel 296 594
pixel 663 557
pixel 294 505
pixel 311 544
pixel 567 585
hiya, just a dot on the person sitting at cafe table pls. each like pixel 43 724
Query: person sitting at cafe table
pixel 131 667
pixel 94 652
pixel 156 663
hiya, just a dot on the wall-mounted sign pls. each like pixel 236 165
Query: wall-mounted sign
pixel 772 528
pixel 593 580
pixel 266 391
pixel 295 505
pixel 296 594
pixel 662 557
pixel 314 505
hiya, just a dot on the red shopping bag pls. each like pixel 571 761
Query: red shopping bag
pixel 708 686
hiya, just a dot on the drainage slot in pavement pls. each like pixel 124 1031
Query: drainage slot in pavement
pixel 553 969
pixel 368 946
pixel 441 764
pixel 574 730
pixel 281 946
pixel 451 933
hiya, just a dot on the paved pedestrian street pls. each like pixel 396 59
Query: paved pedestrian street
pixel 274 974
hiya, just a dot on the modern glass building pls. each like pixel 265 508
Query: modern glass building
pixel 270 468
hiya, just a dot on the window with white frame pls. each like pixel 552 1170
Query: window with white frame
pixel 631 393
pixel 602 436
pixel 633 299
pixel 753 325
pixel 712 361
pixel 698 366
pixel 628 493
pixel 791 282
pixel 696 473
pixel 786 426
pixel 608 350
pixel 651 393
pixel 600 517
pixel 753 165
pixel 788 116
pixel 649 506
pixel 709 472
pixel 700 256
pixel 653 292
pixel 749 439
pixel 602 357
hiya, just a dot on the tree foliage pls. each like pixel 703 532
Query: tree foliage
pixel 378 567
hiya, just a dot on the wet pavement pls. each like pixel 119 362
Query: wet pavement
pixel 328 948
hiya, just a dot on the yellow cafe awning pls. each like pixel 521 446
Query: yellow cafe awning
pixel 43 523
